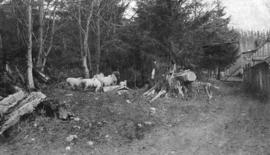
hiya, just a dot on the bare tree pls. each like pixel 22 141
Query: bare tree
pixel 98 39
pixel 86 54
pixel 50 46
pixel 41 25
pixel 30 79
pixel 43 50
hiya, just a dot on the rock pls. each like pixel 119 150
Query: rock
pixel 77 127
pixel 69 95
pixel 76 119
pixel 148 123
pixel 139 125
pixel 70 138
pixel 90 143
pixel 63 113
pixel 152 110
pixel 68 148
pixel 128 101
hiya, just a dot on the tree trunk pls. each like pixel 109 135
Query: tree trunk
pixel 218 73
pixel 40 52
pixel 80 32
pixel 86 71
pixel 30 79
pixel 85 54
pixel 98 43
pixel 46 54
pixel 89 60
pixel 3 55
pixel 85 44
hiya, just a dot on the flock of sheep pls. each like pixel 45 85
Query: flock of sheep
pixel 98 81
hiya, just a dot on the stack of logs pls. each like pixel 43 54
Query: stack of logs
pixel 180 82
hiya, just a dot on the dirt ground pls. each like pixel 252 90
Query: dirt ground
pixel 233 123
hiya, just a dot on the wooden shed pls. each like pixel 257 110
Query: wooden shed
pixel 258 76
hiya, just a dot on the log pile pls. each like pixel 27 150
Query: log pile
pixel 178 83
pixel 174 82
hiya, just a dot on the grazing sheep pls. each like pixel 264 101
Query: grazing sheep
pixel 123 83
pixel 100 75
pixel 74 82
pixel 117 74
pixel 108 80
pixel 94 82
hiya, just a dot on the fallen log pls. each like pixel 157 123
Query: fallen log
pixel 150 91
pixel 41 76
pixel 158 95
pixel 112 88
pixel 18 105
pixel 11 101
pixel 185 75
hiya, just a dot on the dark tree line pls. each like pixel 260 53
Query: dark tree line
pixel 82 38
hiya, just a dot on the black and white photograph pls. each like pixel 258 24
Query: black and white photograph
pixel 134 77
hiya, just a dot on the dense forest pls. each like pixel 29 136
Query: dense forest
pixel 65 38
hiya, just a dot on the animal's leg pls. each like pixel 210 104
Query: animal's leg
pixel 97 89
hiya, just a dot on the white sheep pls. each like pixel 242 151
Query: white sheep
pixel 100 75
pixel 123 83
pixel 108 80
pixel 74 82
pixel 94 82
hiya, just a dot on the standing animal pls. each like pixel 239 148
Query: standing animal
pixel 123 83
pixel 100 75
pixel 94 82
pixel 74 82
pixel 107 80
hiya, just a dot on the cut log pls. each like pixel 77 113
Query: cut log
pixel 158 95
pixel 23 106
pixel 180 89
pixel 41 76
pixel 150 91
pixel 186 75
pixel 112 88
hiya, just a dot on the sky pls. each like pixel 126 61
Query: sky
pixel 245 14
pixel 249 14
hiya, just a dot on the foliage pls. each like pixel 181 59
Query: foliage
pixel 189 33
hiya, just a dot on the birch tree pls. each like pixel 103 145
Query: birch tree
pixel 98 38
pixel 44 50
pixel 86 54
pixel 41 25
pixel 30 80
